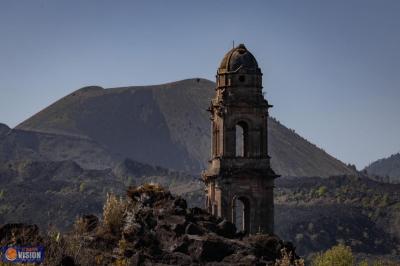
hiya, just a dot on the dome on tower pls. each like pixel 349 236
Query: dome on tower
pixel 238 57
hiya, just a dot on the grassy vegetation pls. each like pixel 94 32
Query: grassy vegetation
pixel 342 255
pixel 287 261
pixel 113 211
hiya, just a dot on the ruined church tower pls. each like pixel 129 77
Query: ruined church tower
pixel 239 180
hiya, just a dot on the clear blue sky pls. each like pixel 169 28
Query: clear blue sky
pixel 331 68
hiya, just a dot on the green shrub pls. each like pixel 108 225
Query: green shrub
pixel 339 255
pixel 82 187
pixel 321 191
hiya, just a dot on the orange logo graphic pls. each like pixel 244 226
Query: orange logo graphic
pixel 11 254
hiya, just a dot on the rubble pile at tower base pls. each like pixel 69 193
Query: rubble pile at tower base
pixel 158 229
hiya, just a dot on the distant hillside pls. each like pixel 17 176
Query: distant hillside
pixel 17 145
pixel 3 129
pixel 48 192
pixel 292 155
pixel 167 125
pixel 387 168
pixel 357 211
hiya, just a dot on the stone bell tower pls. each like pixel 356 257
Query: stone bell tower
pixel 239 180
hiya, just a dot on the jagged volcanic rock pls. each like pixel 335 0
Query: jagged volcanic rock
pixel 157 228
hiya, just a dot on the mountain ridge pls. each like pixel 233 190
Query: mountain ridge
pixel 168 125
pixel 387 169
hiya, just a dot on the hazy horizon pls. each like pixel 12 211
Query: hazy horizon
pixel 331 69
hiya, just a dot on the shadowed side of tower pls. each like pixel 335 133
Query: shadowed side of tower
pixel 239 180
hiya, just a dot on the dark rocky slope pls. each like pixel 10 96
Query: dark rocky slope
pixel 54 193
pixel 165 125
pixel 19 145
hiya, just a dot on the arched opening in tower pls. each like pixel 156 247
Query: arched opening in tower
pixel 241 144
pixel 241 213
